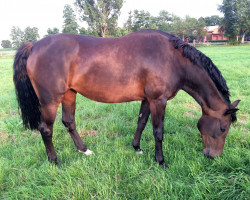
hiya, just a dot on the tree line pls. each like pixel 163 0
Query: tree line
pixel 102 19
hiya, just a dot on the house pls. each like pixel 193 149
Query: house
pixel 214 33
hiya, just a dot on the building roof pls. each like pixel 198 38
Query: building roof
pixel 212 28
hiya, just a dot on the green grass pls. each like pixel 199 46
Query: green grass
pixel 115 171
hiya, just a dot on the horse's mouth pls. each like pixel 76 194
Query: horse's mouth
pixel 206 152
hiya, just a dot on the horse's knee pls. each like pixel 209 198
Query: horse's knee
pixel 159 137
pixel 44 130
pixel 69 124
pixel 158 134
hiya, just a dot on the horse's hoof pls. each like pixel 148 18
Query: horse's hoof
pixel 163 165
pixel 87 152
pixel 139 151
pixel 54 162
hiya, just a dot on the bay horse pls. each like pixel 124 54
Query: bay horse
pixel 148 65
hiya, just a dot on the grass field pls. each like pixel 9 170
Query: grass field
pixel 115 171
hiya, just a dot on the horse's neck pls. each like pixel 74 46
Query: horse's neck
pixel 200 86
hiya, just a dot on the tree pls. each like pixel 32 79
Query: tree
pixel 83 31
pixel 200 30
pixel 212 20
pixel 52 31
pixel 31 34
pixel 188 27
pixel 164 21
pixel 140 20
pixel 184 27
pixel 120 32
pixel 17 36
pixel 129 23
pixel 236 17
pixel 101 15
pixel 70 24
pixel 6 44
pixel 244 19
pixel 88 31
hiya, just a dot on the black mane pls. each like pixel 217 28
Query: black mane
pixel 200 59
pixel 206 63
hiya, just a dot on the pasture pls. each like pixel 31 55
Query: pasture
pixel 114 171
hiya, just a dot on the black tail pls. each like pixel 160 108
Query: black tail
pixel 26 96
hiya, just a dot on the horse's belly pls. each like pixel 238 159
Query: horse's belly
pixel 107 80
pixel 111 93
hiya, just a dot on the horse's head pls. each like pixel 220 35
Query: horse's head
pixel 214 130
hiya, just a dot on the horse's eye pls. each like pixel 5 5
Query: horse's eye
pixel 222 129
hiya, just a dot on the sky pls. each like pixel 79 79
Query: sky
pixel 45 14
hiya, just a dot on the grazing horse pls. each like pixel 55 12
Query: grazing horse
pixel 148 65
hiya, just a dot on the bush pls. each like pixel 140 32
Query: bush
pixel 217 41
pixel 6 44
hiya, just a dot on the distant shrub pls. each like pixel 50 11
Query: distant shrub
pixel 214 41
pixel 6 44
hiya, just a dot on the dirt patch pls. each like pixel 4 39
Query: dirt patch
pixel 245 130
pixel 242 118
pixel 24 134
pixel 36 133
pixel 3 136
pixel 33 133
pixel 190 114
pixel 13 113
pixel 91 132
pixel 192 105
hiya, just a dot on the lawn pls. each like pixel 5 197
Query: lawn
pixel 115 171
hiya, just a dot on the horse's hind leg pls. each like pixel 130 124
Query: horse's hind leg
pixel 142 121
pixel 68 119
pixel 157 110
pixel 46 129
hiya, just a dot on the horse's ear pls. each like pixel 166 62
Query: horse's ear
pixel 234 104
pixel 233 108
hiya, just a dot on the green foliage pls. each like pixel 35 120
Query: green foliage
pixel 200 30
pixel 164 20
pixel 31 34
pixel 88 31
pixel 70 24
pixel 140 20
pixel 6 44
pixel 236 17
pixel 188 27
pixel 120 32
pixel 101 15
pixel 114 171
pixel 212 20
pixel 52 31
pixel 19 37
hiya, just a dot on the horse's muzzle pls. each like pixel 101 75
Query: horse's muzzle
pixel 206 152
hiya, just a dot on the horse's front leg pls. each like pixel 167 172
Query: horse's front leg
pixel 142 121
pixel 157 109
